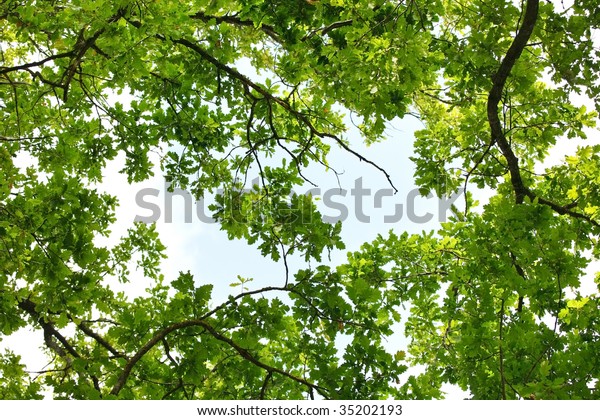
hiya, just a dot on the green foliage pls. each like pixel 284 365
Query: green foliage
pixel 14 382
pixel 496 302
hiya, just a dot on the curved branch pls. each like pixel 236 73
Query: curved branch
pixel 498 137
pixel 160 335
pixel 6 70
pixel 243 294
pixel 495 95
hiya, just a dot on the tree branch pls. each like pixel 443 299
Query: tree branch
pixel 263 389
pixel 6 70
pixel 99 339
pixel 326 29
pixel 521 273
pixel 498 137
pixel 495 95
pixel 235 74
pixel 49 331
pixel 160 335
pixel 285 105
pixel 501 352
pixel 234 20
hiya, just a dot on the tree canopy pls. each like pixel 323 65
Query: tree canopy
pixel 491 302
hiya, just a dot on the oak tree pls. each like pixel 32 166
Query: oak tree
pixel 494 299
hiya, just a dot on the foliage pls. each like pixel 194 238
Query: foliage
pixel 494 298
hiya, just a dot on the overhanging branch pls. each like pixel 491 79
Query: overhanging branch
pixel 498 137
pixel 160 335
pixel 495 95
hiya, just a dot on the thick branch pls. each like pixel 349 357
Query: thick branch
pixel 6 70
pixel 498 137
pixel 495 95
pixel 83 46
pixel 49 331
pixel 521 273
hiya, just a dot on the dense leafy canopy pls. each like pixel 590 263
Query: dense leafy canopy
pixel 217 88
